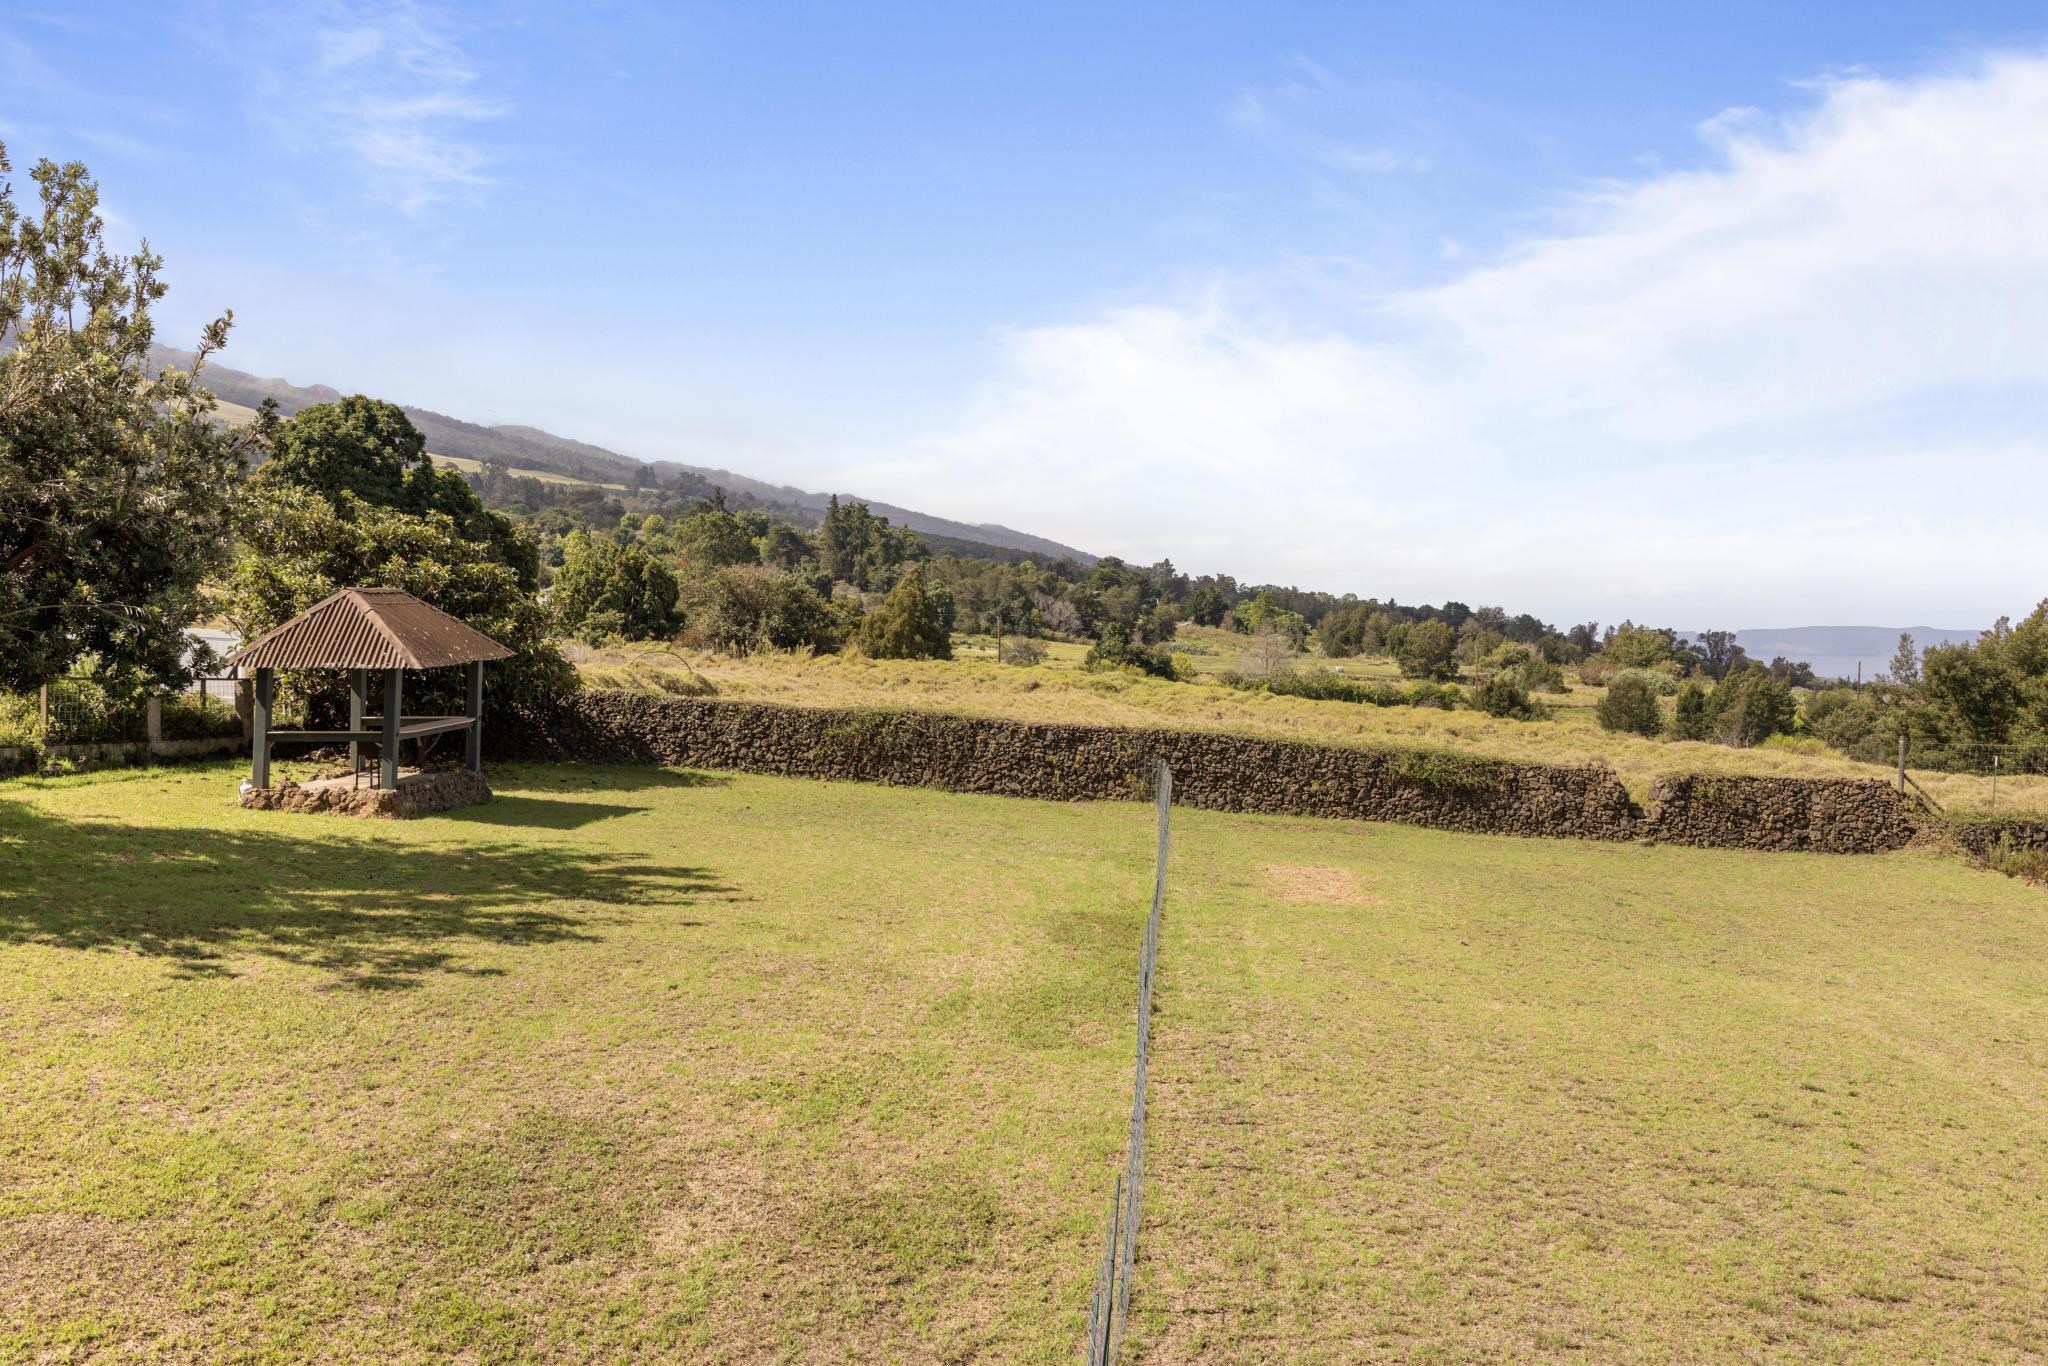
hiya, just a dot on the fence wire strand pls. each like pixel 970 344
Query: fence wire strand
pixel 1111 1305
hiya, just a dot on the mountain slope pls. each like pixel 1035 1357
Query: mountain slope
pixel 1836 651
pixel 530 448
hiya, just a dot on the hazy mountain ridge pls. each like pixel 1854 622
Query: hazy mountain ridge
pixel 532 448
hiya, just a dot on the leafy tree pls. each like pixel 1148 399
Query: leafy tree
pixel 746 608
pixel 1629 646
pixel 1262 612
pixel 116 486
pixel 1793 673
pixel 1718 654
pixel 1749 707
pixel 357 445
pixel 784 547
pixel 297 547
pixel 369 449
pixel 1845 718
pixel 1427 650
pixel 713 538
pixel 604 589
pixel 908 624
pixel 1205 606
pixel 1692 720
pixel 1974 697
pixel 1631 706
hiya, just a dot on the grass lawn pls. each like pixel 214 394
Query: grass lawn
pixel 643 1063
pixel 1060 690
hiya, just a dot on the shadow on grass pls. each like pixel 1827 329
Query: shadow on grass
pixel 601 777
pixel 375 914
pixel 538 813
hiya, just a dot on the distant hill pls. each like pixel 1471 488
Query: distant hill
pixel 1835 651
pixel 531 450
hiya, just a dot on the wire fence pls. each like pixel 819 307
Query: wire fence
pixel 1111 1304
pixel 84 709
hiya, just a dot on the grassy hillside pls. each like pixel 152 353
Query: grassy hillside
pixel 1060 690
pixel 585 1073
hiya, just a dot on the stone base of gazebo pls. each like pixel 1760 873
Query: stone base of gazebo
pixel 417 794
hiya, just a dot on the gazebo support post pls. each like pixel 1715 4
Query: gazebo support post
pixel 358 707
pixel 259 739
pixel 387 765
pixel 473 754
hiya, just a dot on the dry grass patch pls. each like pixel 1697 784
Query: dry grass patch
pixel 1320 885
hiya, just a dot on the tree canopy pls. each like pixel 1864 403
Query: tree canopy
pixel 116 486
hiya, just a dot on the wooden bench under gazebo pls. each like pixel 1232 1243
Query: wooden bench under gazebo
pixel 365 631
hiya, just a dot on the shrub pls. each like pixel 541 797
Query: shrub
pixel 1116 650
pixel 1324 686
pixel 2013 861
pixel 1427 651
pixel 1749 707
pixel 1444 696
pixel 909 624
pixel 1023 650
pixel 1663 681
pixel 1503 695
pixel 1692 720
pixel 198 717
pixel 1843 717
pixel 1630 706
pixel 744 608
pixel 1538 674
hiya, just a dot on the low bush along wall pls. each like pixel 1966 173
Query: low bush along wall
pixel 1222 772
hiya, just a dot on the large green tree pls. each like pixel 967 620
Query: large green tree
pixel 297 547
pixel 604 589
pixel 1427 650
pixel 369 449
pixel 910 623
pixel 115 482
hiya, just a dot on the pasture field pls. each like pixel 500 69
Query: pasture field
pixel 1060 690
pixel 636 1062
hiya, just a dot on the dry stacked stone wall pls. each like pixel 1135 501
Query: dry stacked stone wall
pixel 1222 772
pixel 417 794
pixel 1980 838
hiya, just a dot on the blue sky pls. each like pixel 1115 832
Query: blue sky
pixel 1731 313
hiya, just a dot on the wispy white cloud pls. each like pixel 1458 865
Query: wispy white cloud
pixel 1340 156
pixel 1811 370
pixel 386 89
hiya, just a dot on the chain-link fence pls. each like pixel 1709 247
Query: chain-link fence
pixel 1111 1304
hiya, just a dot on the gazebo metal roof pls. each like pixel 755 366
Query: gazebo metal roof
pixel 369 628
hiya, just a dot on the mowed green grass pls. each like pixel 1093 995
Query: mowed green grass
pixel 1423 1096
pixel 627 1063
pixel 635 1063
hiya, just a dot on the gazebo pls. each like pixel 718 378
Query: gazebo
pixel 362 630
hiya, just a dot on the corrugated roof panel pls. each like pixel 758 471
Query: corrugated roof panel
pixel 369 628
